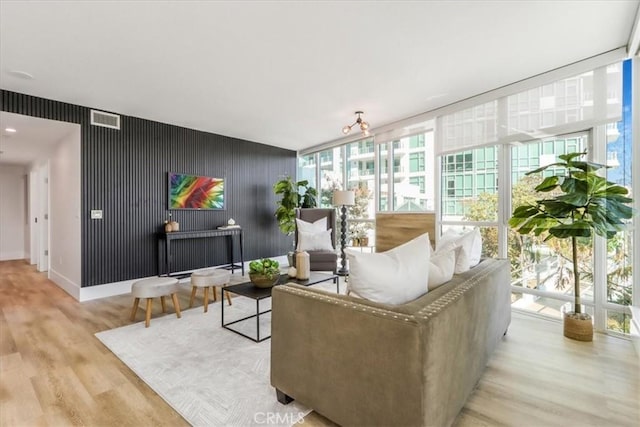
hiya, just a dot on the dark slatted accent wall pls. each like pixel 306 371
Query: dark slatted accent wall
pixel 124 173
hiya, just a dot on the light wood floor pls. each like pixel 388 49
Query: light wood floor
pixel 54 372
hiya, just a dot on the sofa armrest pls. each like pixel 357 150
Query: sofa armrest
pixel 462 328
pixel 346 358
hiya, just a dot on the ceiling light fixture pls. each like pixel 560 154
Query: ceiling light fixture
pixel 10 130
pixel 20 74
pixel 364 126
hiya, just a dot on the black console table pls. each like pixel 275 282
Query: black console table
pixel 229 233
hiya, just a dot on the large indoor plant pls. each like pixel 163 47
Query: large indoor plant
pixel 580 203
pixel 293 195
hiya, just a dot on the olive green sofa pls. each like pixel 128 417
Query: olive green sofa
pixel 358 362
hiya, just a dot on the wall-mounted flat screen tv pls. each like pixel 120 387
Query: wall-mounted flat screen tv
pixel 195 192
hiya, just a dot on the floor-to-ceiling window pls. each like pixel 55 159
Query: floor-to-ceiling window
pixel 481 187
pixel 619 249
pixel 469 194
pixel 307 169
pixel 542 271
pixel 469 166
pixel 331 175
pixel 413 188
pixel 360 178
pixel 469 177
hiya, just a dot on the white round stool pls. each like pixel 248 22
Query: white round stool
pixel 152 288
pixel 209 278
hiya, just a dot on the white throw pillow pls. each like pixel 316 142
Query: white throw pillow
pixel 396 276
pixel 310 227
pixel 442 266
pixel 314 241
pixel 470 248
pixel 476 249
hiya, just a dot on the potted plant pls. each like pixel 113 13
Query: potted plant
pixel 294 195
pixel 583 203
pixel 264 273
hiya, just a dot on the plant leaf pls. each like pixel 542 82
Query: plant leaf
pixel 576 229
pixel 576 198
pixel 550 183
pixel 616 189
pixel 570 156
pixel 587 166
pixel 556 208
pixel 540 169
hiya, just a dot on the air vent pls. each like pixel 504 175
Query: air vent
pixel 107 120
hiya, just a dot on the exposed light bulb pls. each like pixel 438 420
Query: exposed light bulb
pixel 10 130
pixel 364 126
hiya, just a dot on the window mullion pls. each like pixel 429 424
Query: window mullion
pixel 598 154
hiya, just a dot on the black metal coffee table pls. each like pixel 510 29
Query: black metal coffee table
pixel 249 290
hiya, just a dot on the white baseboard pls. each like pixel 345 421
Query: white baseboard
pixel 10 256
pixel 65 283
pixel 89 293
pixel 119 288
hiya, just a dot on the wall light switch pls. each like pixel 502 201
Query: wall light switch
pixel 95 214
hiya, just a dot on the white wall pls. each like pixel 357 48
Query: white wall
pixel 32 213
pixel 64 215
pixel 13 190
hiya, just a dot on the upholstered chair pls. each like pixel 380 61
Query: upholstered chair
pixel 321 260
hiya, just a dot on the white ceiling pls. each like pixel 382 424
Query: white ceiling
pixel 291 74
pixel 34 140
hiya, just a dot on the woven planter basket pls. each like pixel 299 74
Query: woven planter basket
pixel 578 326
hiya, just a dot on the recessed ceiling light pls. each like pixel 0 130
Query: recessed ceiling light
pixel 10 130
pixel 20 74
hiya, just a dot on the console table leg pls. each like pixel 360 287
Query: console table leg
pixel 242 251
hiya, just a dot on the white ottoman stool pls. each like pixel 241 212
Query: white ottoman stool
pixel 152 288
pixel 209 278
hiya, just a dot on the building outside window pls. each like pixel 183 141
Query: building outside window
pixel 331 176
pixel 416 162
pixel 360 178
pixel 413 174
pixel 307 168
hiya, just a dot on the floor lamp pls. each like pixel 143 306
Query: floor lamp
pixel 343 199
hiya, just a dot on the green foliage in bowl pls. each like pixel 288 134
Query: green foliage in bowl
pixel 269 268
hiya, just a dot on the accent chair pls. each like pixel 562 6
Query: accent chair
pixel 321 260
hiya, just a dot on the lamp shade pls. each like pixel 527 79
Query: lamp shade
pixel 344 198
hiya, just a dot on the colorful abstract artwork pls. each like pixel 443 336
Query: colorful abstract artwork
pixel 195 192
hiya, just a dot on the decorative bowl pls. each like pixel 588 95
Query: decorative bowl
pixel 262 281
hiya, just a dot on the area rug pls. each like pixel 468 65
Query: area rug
pixel 211 376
